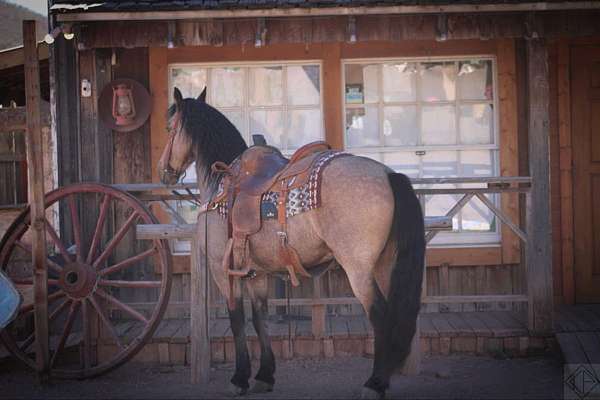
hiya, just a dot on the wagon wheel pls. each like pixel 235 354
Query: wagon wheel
pixel 89 284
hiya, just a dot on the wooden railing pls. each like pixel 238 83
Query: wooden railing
pixel 199 304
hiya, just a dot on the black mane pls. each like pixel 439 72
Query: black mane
pixel 213 136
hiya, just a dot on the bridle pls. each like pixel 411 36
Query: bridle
pixel 167 169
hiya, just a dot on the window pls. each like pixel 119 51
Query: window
pixel 280 101
pixel 429 118
pixel 13 170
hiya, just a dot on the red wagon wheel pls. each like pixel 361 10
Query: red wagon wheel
pixel 94 326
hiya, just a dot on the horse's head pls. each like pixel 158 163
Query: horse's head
pixel 179 153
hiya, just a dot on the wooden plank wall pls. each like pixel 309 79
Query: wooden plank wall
pixel 482 268
pixel 219 33
pixel 131 164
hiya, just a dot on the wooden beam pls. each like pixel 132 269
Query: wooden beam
pixel 566 170
pixel 332 301
pixel 35 164
pixel 187 231
pixel 324 11
pixel 199 315
pixel 539 244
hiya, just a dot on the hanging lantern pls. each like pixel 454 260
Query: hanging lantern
pixel 123 106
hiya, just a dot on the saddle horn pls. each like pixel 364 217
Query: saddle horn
pixel 259 140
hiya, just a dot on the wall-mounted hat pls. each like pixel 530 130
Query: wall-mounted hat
pixel 124 105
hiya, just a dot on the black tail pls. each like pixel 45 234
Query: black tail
pixel 395 319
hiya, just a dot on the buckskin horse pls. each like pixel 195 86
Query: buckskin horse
pixel 364 216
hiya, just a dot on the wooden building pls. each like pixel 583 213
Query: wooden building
pixel 434 89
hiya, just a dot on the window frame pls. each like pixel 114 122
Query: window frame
pixel 443 239
pixel 183 247
pixel 245 108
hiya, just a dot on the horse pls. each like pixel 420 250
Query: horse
pixel 369 221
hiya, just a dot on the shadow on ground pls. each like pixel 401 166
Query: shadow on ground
pixel 452 377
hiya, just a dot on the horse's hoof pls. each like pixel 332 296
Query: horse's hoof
pixel 237 391
pixel 370 394
pixel 261 387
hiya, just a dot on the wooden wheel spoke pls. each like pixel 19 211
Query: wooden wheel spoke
pixel 126 263
pixel 29 281
pixel 86 336
pixel 54 296
pixel 58 242
pixel 26 344
pixel 98 231
pixel 76 226
pixel 130 284
pixel 27 248
pixel 106 321
pixel 31 338
pixel 66 331
pixel 122 306
pixel 116 239
pixel 59 309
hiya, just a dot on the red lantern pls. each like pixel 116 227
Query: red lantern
pixel 123 106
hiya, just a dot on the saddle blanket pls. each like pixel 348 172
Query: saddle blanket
pixel 304 198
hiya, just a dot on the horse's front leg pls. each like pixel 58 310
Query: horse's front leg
pixel 265 380
pixel 237 321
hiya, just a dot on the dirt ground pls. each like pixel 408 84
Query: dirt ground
pixel 447 377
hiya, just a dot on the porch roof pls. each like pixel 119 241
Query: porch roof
pixel 83 6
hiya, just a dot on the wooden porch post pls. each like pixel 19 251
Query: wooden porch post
pixel 539 245
pixel 36 197
pixel 199 315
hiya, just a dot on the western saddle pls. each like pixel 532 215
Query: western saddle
pixel 262 169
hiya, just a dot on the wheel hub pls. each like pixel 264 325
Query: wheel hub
pixel 78 280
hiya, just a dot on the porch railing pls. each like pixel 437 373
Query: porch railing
pixel 200 304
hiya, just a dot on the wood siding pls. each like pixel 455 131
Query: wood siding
pixel 477 270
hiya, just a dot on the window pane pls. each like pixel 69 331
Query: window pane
pixel 477 163
pixel 476 124
pixel 268 123
pixel 362 127
pixel 191 81
pixel 438 81
pixel 438 205
pixel 266 86
pixel 303 85
pixel 237 119
pixel 406 162
pixel 400 126
pixel 438 125
pixel 440 164
pixel 477 217
pixel 372 156
pixel 475 80
pixel 399 82
pixel 361 83
pixel 304 126
pixel 226 86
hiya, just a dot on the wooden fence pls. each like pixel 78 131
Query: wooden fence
pixel 200 302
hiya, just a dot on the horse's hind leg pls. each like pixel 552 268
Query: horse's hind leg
pixel 264 378
pixel 362 281
pixel 237 321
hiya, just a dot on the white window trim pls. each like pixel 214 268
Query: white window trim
pixel 443 239
pixel 183 247
pixel 246 109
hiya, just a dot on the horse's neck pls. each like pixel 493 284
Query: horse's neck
pixel 205 190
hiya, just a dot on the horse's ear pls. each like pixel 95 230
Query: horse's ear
pixel 177 96
pixel 202 96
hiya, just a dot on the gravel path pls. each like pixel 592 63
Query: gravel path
pixel 449 377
